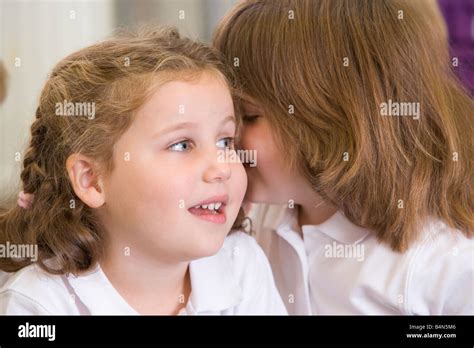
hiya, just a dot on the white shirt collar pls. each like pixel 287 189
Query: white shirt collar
pixel 337 227
pixel 214 288
pixel 288 222
pixel 98 295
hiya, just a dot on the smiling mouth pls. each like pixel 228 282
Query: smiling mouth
pixel 212 210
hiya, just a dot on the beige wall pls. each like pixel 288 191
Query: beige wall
pixel 39 33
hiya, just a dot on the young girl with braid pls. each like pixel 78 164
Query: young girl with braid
pixel 123 192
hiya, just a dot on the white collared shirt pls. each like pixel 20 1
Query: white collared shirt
pixel 237 280
pixel 339 268
pixel 3 277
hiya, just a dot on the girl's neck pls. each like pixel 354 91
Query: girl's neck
pixel 148 286
pixel 310 213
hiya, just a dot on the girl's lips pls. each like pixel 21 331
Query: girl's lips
pixel 217 217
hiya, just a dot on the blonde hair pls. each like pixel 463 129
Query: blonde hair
pixel 336 62
pixel 117 75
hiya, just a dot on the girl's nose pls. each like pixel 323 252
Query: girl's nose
pixel 217 170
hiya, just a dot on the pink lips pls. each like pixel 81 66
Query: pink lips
pixel 217 216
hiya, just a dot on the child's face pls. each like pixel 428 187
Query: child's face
pixel 270 181
pixel 166 164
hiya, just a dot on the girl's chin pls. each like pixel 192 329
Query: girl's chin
pixel 250 197
pixel 255 193
pixel 253 197
pixel 209 248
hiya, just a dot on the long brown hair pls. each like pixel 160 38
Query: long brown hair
pixel 336 62
pixel 117 75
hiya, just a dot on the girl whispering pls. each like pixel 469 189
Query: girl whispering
pixel 364 134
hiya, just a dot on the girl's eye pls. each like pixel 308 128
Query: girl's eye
pixel 181 146
pixel 227 143
pixel 250 118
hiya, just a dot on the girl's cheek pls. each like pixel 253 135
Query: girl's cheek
pixel 239 178
pixel 262 142
pixel 161 175
pixel 248 138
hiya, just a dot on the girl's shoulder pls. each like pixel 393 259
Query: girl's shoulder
pixel 243 251
pixel 440 271
pixel 32 290
pixel 4 276
pixel 440 243
pixel 251 272
pixel 29 279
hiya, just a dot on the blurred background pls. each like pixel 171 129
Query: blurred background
pixel 36 34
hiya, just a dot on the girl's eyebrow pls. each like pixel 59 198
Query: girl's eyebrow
pixel 175 127
pixel 185 125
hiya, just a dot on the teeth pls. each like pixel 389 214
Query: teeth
pixel 211 206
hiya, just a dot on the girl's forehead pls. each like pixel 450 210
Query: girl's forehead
pixel 187 100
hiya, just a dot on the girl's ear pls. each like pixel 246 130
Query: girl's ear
pixel 85 180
